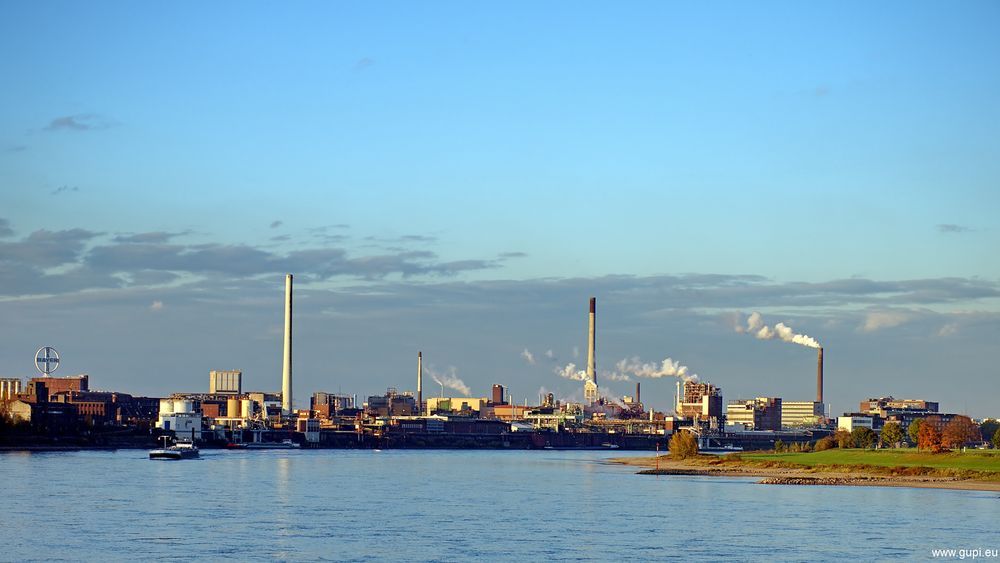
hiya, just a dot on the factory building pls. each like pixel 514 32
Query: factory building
pixel 179 416
pixel 700 401
pixel 801 413
pixel 60 384
pixel 328 405
pixel 9 388
pixel 497 396
pixel 761 413
pixel 470 406
pixel 225 382
pixel 882 406
pixel 392 404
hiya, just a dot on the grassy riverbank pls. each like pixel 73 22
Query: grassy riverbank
pixel 975 460
pixel 979 470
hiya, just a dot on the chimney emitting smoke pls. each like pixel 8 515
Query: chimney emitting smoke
pixel 420 380
pixel 819 377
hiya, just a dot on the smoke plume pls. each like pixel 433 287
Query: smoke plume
pixel 449 380
pixel 667 368
pixel 569 371
pixel 755 326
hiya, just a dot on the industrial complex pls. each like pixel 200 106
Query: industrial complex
pixel 227 414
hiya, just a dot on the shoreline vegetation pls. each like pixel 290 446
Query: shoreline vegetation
pixel 975 470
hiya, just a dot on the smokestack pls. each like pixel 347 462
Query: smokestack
pixel 819 377
pixel 286 366
pixel 591 342
pixel 420 378
pixel 638 397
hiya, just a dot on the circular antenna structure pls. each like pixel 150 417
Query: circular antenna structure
pixel 46 360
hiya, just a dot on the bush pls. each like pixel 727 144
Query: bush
pixel 683 445
pixel 779 446
pixel 826 443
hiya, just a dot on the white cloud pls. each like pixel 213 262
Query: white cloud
pixel 950 329
pixel 528 356
pixel 878 320
pixel 156 306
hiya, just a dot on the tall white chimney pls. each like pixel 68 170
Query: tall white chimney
pixel 591 342
pixel 286 365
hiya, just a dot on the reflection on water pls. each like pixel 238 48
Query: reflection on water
pixel 448 505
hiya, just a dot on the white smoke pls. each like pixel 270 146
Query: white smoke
pixel 576 352
pixel 528 356
pixel 667 368
pixel 755 326
pixel 569 371
pixel 550 355
pixel 450 380
pixel 613 376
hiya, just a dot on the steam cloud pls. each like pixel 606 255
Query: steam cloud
pixel 569 371
pixel 528 356
pixel 755 326
pixel 450 380
pixel 667 368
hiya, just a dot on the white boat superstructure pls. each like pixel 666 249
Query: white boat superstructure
pixel 180 450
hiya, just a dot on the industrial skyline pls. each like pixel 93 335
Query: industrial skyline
pixel 457 180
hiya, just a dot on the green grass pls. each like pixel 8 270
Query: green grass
pixel 976 460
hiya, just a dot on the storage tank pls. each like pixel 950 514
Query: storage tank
pixel 232 408
pixel 246 408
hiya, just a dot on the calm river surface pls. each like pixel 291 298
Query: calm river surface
pixel 407 505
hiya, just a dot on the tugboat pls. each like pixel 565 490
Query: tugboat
pixel 180 450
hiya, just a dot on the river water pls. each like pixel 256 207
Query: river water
pixel 409 505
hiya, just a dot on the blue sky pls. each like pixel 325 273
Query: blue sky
pixel 491 156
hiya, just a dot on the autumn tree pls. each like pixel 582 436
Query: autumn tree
pixel 683 445
pixel 864 438
pixel 913 430
pixel 929 437
pixel 960 431
pixel 843 438
pixel 892 434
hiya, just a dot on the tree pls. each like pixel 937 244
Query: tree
pixel 892 434
pixel 996 439
pixel 843 438
pixel 779 446
pixel 862 437
pixel 929 438
pixel 914 430
pixel 988 428
pixel 960 431
pixel 683 445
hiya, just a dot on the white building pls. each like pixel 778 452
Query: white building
pixel 179 417
pixel 849 423
pixel 801 413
